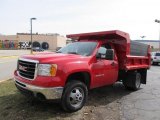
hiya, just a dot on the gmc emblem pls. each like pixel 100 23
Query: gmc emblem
pixel 22 68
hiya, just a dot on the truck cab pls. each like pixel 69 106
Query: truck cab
pixel 95 59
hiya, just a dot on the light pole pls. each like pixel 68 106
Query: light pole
pixel 31 33
pixel 158 21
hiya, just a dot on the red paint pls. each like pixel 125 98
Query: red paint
pixel 102 72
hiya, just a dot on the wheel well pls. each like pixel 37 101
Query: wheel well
pixel 143 72
pixel 81 76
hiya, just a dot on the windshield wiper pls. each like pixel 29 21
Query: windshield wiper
pixel 73 53
pixel 58 52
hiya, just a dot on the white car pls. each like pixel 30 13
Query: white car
pixel 155 58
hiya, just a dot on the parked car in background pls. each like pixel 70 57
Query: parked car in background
pixel 155 58
pixel 37 49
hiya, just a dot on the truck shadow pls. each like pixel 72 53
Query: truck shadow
pixel 107 94
pixel 17 106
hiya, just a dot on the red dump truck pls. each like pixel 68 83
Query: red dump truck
pixel 95 59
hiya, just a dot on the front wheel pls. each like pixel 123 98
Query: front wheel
pixel 74 96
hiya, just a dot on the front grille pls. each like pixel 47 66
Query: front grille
pixel 20 84
pixel 27 69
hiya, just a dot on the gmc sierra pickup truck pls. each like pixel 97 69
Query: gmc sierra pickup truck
pixel 95 59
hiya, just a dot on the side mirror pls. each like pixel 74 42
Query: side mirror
pixel 110 54
pixel 104 53
pixel 101 56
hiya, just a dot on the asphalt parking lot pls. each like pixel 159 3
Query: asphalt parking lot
pixel 144 104
pixel 8 60
pixel 4 53
pixel 106 103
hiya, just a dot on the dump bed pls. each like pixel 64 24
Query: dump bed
pixel 138 49
pixel 131 55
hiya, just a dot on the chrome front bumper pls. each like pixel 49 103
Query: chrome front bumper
pixel 48 93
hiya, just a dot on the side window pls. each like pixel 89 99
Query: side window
pixel 108 46
pixel 102 50
pixel 105 52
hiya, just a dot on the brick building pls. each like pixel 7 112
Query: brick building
pixel 23 41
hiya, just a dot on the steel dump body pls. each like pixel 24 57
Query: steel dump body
pixel 131 55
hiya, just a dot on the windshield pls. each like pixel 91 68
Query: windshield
pixel 80 48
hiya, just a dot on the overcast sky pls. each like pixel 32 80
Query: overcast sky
pixel 77 16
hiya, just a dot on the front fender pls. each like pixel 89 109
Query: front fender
pixel 75 67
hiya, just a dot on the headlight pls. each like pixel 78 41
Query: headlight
pixel 47 69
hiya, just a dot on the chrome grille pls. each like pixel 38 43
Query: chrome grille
pixel 27 68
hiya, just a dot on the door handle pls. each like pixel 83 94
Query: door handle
pixel 113 63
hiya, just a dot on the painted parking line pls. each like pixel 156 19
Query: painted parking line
pixel 9 59
pixel 5 80
pixel 3 57
pixel 6 61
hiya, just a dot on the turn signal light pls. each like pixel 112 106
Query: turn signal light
pixel 53 70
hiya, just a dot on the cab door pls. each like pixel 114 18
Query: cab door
pixel 111 71
pixel 110 68
pixel 98 73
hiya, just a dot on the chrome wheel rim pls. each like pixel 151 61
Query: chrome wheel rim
pixel 138 80
pixel 76 97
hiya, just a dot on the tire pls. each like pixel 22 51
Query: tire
pixel 153 63
pixel 74 96
pixel 133 81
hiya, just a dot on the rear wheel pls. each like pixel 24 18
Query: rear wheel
pixel 137 81
pixel 133 81
pixel 74 96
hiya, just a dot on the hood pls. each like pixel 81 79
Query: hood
pixel 50 57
